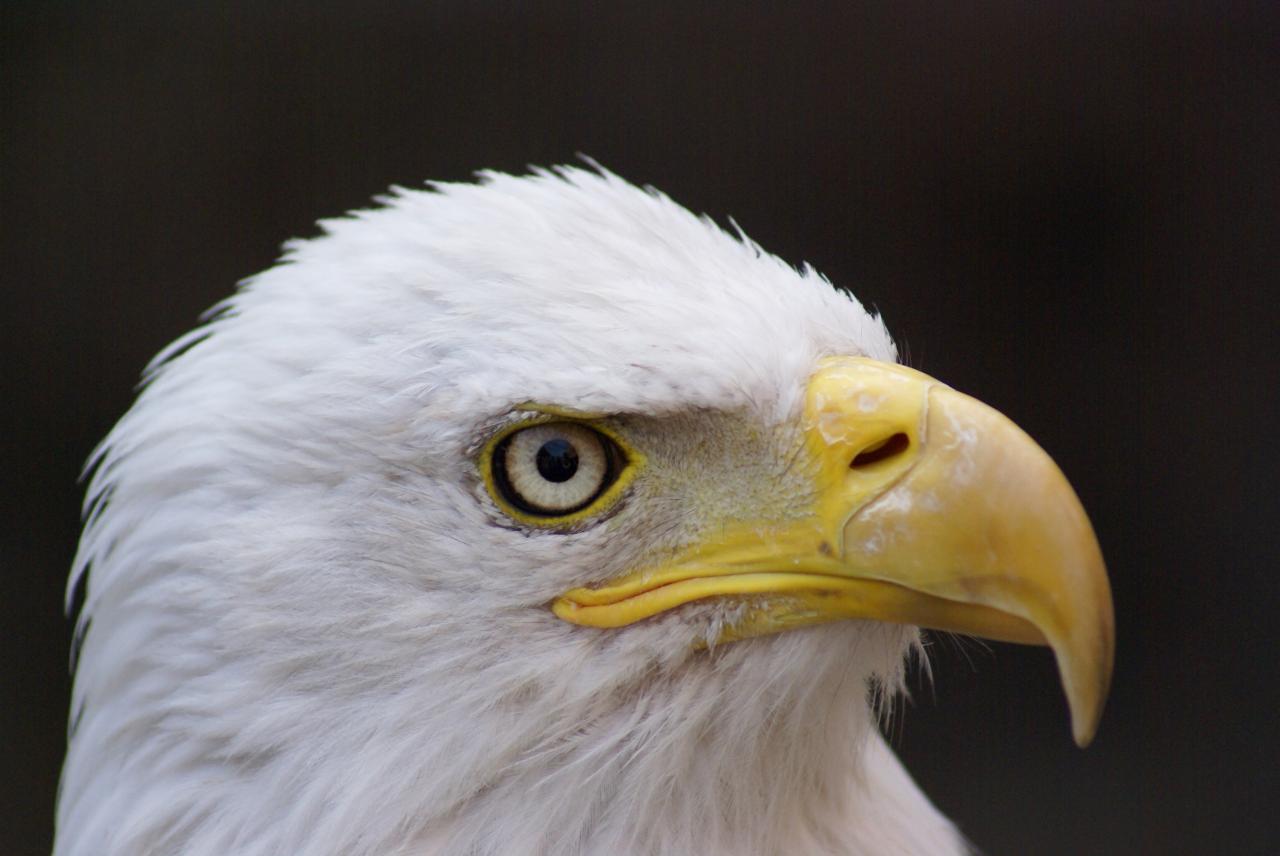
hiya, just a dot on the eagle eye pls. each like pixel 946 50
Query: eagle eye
pixel 550 471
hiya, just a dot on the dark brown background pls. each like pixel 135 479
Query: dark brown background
pixel 1066 209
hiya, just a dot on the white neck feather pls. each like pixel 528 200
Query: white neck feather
pixel 760 747
pixel 763 747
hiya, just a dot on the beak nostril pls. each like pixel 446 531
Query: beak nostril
pixel 885 449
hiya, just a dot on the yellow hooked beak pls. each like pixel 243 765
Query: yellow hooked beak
pixel 929 508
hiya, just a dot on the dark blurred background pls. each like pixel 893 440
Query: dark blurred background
pixel 1066 209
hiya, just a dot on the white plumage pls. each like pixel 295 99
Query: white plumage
pixel 308 629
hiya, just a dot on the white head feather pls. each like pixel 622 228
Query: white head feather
pixel 308 630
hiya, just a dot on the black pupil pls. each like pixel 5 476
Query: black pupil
pixel 557 460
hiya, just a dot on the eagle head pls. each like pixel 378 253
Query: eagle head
pixel 540 516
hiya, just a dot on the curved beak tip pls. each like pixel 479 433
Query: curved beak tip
pixel 1086 679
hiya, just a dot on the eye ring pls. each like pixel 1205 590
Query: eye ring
pixel 557 471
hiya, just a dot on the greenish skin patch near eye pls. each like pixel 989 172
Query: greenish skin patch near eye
pixel 634 461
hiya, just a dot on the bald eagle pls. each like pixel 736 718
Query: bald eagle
pixel 540 516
